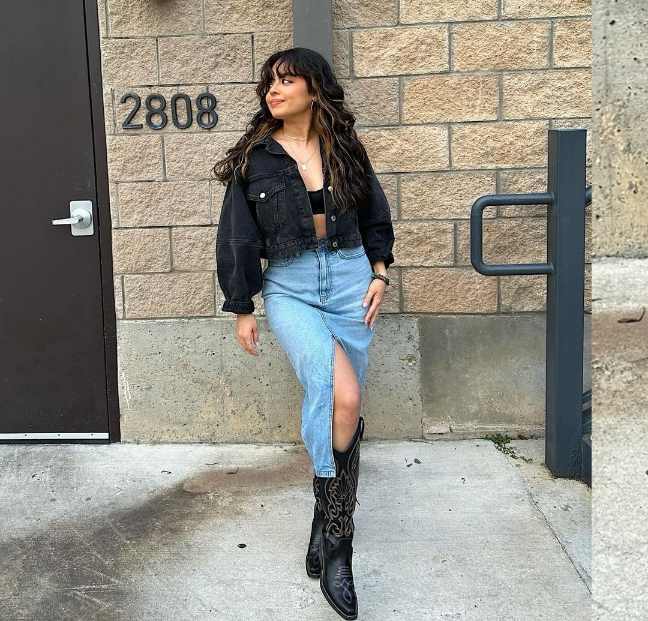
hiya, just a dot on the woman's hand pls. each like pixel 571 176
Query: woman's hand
pixel 373 298
pixel 247 333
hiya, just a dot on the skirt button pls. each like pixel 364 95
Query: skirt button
pixel 334 244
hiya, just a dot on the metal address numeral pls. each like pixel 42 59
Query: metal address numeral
pixel 206 115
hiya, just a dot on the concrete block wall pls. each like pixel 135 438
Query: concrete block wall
pixel 464 93
pixel 619 93
pixel 453 100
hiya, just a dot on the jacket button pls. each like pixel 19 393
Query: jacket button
pixel 330 188
pixel 262 195
pixel 333 218
pixel 334 244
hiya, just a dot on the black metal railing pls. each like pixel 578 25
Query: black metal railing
pixel 566 198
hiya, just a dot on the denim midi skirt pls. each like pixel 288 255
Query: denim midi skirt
pixel 312 300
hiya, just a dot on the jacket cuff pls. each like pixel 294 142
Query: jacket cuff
pixel 386 259
pixel 241 308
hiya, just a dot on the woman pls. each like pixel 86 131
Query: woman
pixel 302 193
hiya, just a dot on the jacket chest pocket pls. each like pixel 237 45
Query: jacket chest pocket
pixel 269 197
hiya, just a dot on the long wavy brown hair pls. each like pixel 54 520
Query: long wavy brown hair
pixel 344 156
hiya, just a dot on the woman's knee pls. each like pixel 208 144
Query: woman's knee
pixel 347 389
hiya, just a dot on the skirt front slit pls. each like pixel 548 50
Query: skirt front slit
pixel 311 301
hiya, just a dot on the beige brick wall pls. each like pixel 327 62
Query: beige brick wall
pixel 475 85
pixel 453 100
pixel 164 206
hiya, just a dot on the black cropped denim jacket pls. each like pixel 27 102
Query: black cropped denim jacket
pixel 268 215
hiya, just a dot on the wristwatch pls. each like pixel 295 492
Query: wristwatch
pixel 383 278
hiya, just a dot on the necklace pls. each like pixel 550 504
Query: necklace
pixel 295 137
pixel 303 164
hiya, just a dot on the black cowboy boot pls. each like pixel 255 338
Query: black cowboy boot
pixel 313 566
pixel 338 495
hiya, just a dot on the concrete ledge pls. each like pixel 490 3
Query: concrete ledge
pixel 187 380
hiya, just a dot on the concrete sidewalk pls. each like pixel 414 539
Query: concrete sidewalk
pixel 619 432
pixel 444 530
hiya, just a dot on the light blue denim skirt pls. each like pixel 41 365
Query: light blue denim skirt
pixel 310 300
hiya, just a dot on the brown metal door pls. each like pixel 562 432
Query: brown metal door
pixel 52 347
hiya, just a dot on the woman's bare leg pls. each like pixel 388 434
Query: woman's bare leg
pixel 346 400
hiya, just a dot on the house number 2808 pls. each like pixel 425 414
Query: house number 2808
pixel 156 104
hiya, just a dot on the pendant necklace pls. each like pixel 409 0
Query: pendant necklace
pixel 303 164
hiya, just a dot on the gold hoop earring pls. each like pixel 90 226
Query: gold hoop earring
pixel 312 104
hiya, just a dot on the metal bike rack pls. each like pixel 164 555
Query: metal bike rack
pixel 566 198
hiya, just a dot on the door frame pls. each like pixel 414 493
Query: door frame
pixel 95 83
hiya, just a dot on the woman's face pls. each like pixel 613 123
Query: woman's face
pixel 287 96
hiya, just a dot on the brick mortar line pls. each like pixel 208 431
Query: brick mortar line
pixel 550 54
pixel 450 47
pixel 395 76
pixel 530 167
pixel 399 25
pixel 114 111
pixel 441 266
pixel 449 146
pixel 107 15
pixel 216 285
pixel 498 294
pixel 197 33
pixel 164 170
pixel 206 133
pixel 500 95
pixel 115 206
pixel 396 221
pixel 170 236
pixel 485 20
pixel 168 272
pixel 210 212
pixel 437 171
pixel 498 190
pixel 252 57
pixel 123 296
pixel 405 314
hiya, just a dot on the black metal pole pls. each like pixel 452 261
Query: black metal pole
pixel 313 26
pixel 565 310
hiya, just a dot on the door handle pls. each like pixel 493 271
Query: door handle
pixel 74 220
pixel 80 220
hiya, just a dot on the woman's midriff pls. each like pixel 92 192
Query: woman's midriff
pixel 319 220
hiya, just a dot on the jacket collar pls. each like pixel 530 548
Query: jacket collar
pixel 272 146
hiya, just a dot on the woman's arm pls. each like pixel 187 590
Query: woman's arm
pixel 379 268
pixel 374 221
pixel 238 251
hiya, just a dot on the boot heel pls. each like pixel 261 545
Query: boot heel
pixel 313 564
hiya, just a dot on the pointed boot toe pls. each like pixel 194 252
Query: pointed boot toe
pixel 336 579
